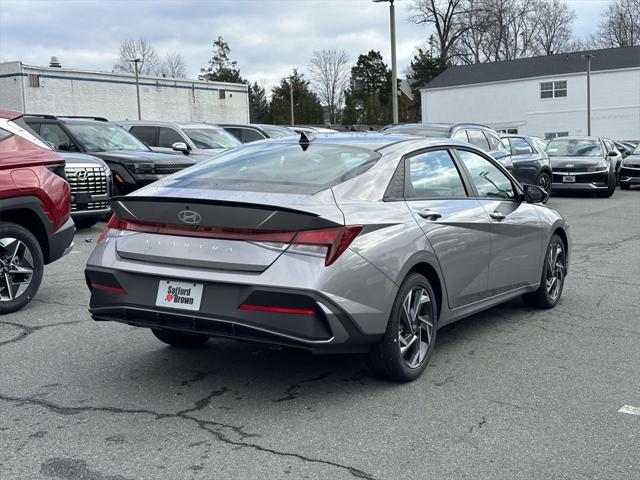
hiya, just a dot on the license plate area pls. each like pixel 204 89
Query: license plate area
pixel 568 179
pixel 179 295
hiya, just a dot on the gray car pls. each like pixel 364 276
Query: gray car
pixel 200 141
pixel 530 162
pixel 583 163
pixel 343 243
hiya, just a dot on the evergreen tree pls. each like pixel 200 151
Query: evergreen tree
pixel 221 68
pixel 368 98
pixel 258 104
pixel 423 68
pixel 307 107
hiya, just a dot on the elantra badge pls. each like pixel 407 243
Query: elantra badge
pixel 189 217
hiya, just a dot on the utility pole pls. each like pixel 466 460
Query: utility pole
pixel 394 71
pixel 135 62
pixel 589 56
pixel 291 93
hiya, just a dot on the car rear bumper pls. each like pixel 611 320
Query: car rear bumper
pixel 347 304
pixel 61 242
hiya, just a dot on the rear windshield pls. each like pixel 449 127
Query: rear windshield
pixel 278 168
pixel 560 147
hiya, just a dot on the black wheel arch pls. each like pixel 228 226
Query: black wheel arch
pixel 27 212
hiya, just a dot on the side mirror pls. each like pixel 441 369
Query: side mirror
pixel 180 147
pixel 534 194
pixel 612 153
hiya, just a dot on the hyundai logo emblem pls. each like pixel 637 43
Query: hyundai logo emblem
pixel 190 217
pixel 81 174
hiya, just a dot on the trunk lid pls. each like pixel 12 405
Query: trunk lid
pixel 197 228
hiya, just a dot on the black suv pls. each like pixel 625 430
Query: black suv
pixel 132 163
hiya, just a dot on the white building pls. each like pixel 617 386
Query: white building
pixel 61 91
pixel 543 96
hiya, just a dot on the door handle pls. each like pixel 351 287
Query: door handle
pixel 497 216
pixel 429 215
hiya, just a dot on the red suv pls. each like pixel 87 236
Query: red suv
pixel 35 205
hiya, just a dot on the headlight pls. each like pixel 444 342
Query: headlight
pixel 602 165
pixel 141 167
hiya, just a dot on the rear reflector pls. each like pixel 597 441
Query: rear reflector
pixel 336 240
pixel 262 308
pixel 107 288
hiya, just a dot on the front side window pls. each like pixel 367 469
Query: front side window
pixel 167 137
pixel 53 134
pixel 477 138
pixel 103 137
pixel 461 135
pixel 553 89
pixel 433 175
pixel 278 132
pixel 251 135
pixel 494 141
pixel 487 178
pixel 564 147
pixel 278 168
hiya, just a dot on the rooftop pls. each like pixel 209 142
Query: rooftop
pixel 565 63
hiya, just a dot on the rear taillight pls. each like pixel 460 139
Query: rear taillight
pixel 329 243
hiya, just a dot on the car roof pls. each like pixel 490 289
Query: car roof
pixel 161 123
pixel 9 114
pixel 577 137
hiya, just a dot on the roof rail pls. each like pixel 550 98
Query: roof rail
pixel 472 124
pixel 86 117
pixel 41 115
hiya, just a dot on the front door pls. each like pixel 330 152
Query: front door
pixel 456 225
pixel 516 228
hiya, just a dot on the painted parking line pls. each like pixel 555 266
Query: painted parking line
pixel 630 409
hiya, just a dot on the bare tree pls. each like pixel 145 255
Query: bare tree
pixel 620 24
pixel 131 49
pixel 330 71
pixel 172 65
pixel 554 32
pixel 445 16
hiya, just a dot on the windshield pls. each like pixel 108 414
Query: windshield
pixel 103 137
pixel 278 132
pixel 278 168
pixel 562 147
pixel 637 150
pixel 211 138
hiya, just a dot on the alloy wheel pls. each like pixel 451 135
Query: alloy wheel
pixel 555 271
pixel 416 327
pixel 544 182
pixel 16 268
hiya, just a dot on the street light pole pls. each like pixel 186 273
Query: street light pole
pixel 135 62
pixel 588 56
pixel 394 71
pixel 291 93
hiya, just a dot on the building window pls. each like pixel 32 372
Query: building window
pixel 222 94
pixel 508 130
pixel 552 135
pixel 34 80
pixel 553 89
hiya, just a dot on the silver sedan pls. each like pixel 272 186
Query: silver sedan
pixel 343 243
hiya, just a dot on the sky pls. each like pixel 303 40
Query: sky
pixel 268 38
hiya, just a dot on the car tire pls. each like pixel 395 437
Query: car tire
pixel 611 188
pixel 29 257
pixel 398 356
pixel 179 339
pixel 625 186
pixel 555 266
pixel 82 223
pixel 544 181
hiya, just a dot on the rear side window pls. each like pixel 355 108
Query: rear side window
pixel 146 134
pixel 521 146
pixel 278 168
pixel 52 133
pixel 433 175
pixel 4 134
pixel 477 138
pixel 167 137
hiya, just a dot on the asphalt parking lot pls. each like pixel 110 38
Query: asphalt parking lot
pixel 510 393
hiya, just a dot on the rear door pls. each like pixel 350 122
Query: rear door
pixel 516 229
pixel 455 224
